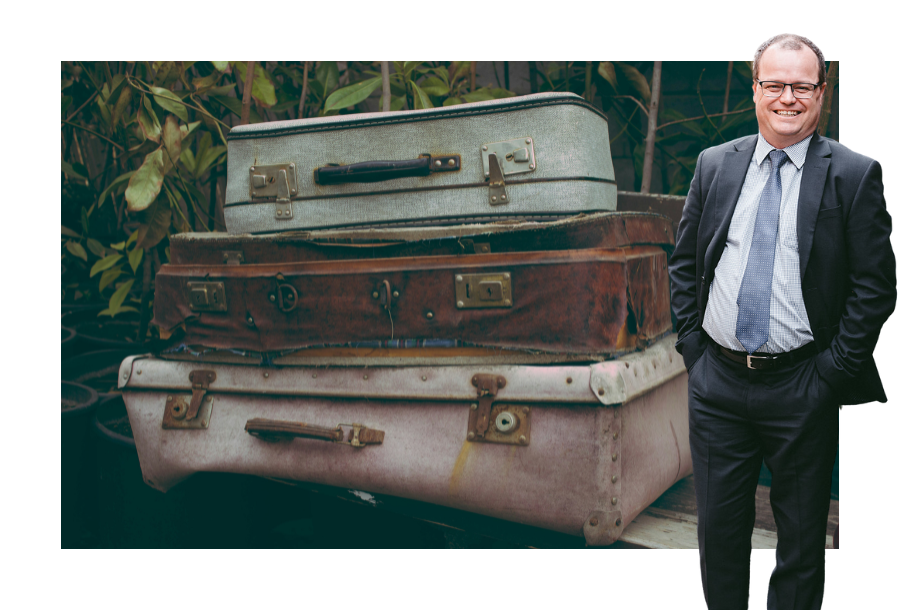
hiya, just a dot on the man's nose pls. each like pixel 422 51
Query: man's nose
pixel 787 95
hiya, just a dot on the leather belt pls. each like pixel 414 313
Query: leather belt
pixel 764 362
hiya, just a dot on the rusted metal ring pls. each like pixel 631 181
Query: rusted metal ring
pixel 289 303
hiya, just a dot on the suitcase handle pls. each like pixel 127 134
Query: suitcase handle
pixel 378 171
pixel 274 430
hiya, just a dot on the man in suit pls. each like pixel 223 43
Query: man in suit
pixel 782 277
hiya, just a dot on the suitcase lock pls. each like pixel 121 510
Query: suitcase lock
pixel 502 159
pixel 274 182
pixel 494 423
pixel 194 413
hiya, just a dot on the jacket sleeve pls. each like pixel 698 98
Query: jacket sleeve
pixel 872 282
pixel 683 275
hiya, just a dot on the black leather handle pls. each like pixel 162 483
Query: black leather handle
pixel 378 171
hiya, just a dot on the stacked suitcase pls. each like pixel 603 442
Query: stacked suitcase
pixel 472 326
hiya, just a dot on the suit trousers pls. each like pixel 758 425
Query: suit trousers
pixel 739 417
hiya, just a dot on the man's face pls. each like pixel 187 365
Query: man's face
pixel 786 120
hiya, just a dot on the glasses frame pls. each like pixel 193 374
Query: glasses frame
pixel 791 85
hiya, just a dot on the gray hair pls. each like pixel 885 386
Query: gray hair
pixel 791 42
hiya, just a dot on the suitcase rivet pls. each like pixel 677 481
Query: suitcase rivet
pixel 615 456
pixel 429 315
pixel 265 374
pixel 249 320
pixel 252 169
pixel 505 276
pixel 139 372
pixel 615 436
pixel 484 147
pixel 424 377
pixel 451 162
pixel 494 198
pixel 375 295
pixel 470 435
pixel 522 439
pixel 293 191
pixel 459 303
pixel 272 297
pixel 287 212
pixel 526 409
pixel 501 197
pixel 396 294
pixel 291 166
pixel 314 375
pixel 169 398
pixel 595 521
pixel 618 522
pixel 601 391
pixel 506 301
pixel 437 163
pixel 278 213
pixel 615 478
pixel 568 380
pixel 458 278
pixel 531 166
pixel 365 376
pixel 473 406
pixel 614 501
pixel 528 140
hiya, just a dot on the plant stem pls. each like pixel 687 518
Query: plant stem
pixel 832 79
pixel 697 118
pixel 248 89
pixel 92 132
pixel 635 100
pixel 727 91
pixel 385 87
pixel 703 107
pixel 80 108
pixel 305 89
pixel 650 141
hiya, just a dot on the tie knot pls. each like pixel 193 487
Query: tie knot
pixel 777 157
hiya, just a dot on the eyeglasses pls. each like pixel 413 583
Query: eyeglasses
pixel 801 91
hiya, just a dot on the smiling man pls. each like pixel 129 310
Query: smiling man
pixel 782 277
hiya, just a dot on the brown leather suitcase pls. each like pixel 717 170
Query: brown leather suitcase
pixel 593 285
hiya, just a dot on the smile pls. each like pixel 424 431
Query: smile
pixel 787 112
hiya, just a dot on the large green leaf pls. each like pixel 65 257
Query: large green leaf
pixel 134 257
pixel 109 276
pixel 96 247
pixel 479 95
pixel 221 66
pixel 635 80
pixel 327 76
pixel 452 101
pixel 105 263
pixel 420 98
pixel 121 106
pixel 607 72
pixel 118 297
pixel 69 232
pixel 234 105
pixel 76 249
pixel 223 90
pixel 172 135
pixel 171 102
pixel 263 90
pixel 434 86
pixel 147 120
pixel 119 180
pixel 146 182
pixel 155 226
pixel 166 73
pixel 352 94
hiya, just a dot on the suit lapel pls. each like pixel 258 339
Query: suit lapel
pixel 812 185
pixel 732 174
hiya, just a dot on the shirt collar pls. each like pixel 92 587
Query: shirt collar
pixel 795 152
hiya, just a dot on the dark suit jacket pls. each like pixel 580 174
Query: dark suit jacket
pixel 847 267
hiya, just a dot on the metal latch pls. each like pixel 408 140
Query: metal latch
pixel 487 387
pixel 483 290
pixel 233 257
pixel 207 296
pixel 278 182
pixel 470 247
pixel 193 414
pixel 502 159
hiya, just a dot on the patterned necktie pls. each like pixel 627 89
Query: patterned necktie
pixel 755 295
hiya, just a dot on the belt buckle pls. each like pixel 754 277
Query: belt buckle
pixel 750 363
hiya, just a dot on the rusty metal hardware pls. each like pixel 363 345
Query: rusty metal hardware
pixel 487 387
pixel 470 247
pixel 286 296
pixel 200 381
pixel 207 296
pixel 513 156
pixel 506 425
pixel 497 183
pixel 445 163
pixel 386 294
pixel 273 431
pixel 233 257
pixel 278 182
pixel 483 290
pixel 175 414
